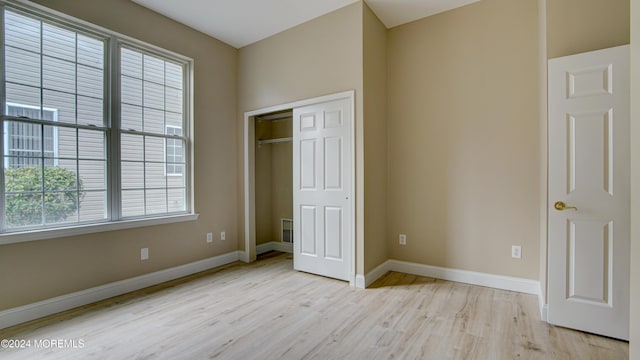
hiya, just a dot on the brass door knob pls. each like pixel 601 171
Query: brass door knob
pixel 559 205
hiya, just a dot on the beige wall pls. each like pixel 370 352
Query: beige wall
pixel 263 177
pixel 273 179
pixel 635 181
pixel 322 56
pixel 282 176
pixel 375 139
pixel 577 26
pixel 39 270
pixel 464 144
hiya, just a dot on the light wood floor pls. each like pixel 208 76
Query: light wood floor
pixel 265 310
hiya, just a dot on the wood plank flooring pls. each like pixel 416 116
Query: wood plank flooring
pixel 265 310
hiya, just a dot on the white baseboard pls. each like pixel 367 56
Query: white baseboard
pixel 360 282
pixel 274 246
pixel 57 304
pixel 468 277
pixel 544 307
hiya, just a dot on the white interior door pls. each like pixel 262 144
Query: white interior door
pixel 589 160
pixel 322 186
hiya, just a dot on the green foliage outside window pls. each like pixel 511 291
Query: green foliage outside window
pixel 24 195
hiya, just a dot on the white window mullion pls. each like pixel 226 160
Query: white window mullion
pixel 3 108
pixel 113 121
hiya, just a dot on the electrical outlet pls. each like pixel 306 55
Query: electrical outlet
pixel 223 236
pixel 144 254
pixel 403 239
pixel 516 251
pixel 209 237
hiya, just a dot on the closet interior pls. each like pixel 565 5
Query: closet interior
pixel 274 182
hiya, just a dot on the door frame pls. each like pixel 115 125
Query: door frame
pixel 249 174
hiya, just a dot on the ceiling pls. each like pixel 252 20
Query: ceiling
pixel 243 22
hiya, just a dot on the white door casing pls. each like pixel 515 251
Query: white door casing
pixel 322 188
pixel 589 161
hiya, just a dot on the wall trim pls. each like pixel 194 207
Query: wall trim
pixel 502 282
pixel 274 246
pixel 61 303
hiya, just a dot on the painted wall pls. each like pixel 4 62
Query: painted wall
pixel 634 344
pixel 274 179
pixel 375 139
pixel 263 176
pixel 577 26
pixel 282 175
pixel 463 138
pixel 38 270
pixel 322 56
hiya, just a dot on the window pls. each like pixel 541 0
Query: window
pixel 68 157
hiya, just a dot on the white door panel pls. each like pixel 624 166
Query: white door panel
pixel 322 137
pixel 589 173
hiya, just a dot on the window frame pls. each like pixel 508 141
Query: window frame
pixel 114 41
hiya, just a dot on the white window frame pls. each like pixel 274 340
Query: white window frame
pixel 113 41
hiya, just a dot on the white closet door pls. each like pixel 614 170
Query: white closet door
pixel 322 185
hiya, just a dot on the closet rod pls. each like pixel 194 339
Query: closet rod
pixel 276 140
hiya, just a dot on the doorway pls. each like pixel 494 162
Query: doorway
pixel 325 138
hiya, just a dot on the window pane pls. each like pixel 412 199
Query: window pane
pixel 131 117
pixel 61 207
pixel 67 147
pixel 91 144
pixel 23 209
pixel 176 200
pixel 174 120
pixel 58 74
pixel 132 147
pixel 90 82
pixel 22 67
pixel 63 104
pixel 90 111
pixel 27 178
pixel 58 178
pixel 93 205
pixel 25 96
pixel 132 175
pixel 153 95
pixel 153 69
pixel 92 174
pixel 154 176
pixel 154 149
pixel 153 121
pixel 130 63
pixel 173 75
pixel 22 32
pixel 156 201
pixel 131 90
pixel 174 100
pixel 58 42
pixel 90 51
pixel 132 203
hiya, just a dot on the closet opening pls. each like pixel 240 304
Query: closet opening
pixel 273 170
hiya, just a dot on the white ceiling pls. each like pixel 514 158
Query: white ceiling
pixel 242 22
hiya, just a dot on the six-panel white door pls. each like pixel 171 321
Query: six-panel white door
pixel 589 169
pixel 322 186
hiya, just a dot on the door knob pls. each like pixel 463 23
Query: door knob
pixel 559 205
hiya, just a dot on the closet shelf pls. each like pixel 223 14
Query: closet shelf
pixel 276 140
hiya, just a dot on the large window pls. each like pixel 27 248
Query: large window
pixel 84 142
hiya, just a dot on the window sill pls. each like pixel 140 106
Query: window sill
pixel 42 234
